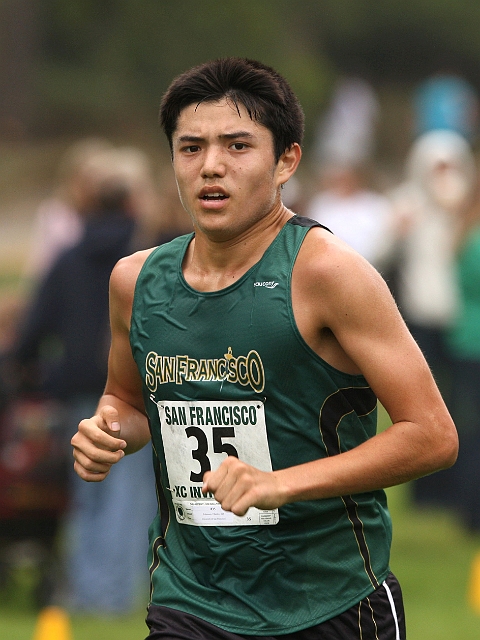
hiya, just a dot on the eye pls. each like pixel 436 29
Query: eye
pixel 191 148
pixel 239 146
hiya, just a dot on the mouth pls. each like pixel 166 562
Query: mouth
pixel 213 197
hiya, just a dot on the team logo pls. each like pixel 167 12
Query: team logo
pixel 268 285
pixel 246 370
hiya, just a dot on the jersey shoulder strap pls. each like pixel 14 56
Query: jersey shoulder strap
pixel 302 221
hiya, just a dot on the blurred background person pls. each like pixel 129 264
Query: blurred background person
pixel 62 349
pixel 354 211
pixel 429 204
pixel 347 131
pixel 166 219
pixel 58 221
pixel 447 101
pixel 463 340
pixel 344 199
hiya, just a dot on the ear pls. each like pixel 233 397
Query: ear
pixel 288 163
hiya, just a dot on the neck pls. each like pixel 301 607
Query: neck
pixel 211 265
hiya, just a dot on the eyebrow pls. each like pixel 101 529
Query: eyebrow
pixel 223 136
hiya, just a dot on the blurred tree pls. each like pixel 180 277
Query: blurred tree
pixel 397 41
pixel 18 49
pixel 102 65
pixel 106 64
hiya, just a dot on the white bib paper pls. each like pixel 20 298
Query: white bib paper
pixel 197 436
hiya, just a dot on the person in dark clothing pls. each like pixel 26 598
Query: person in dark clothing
pixel 62 350
pixel 71 308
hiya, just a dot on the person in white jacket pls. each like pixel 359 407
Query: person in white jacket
pixel 440 178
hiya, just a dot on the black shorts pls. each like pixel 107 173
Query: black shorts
pixel 379 616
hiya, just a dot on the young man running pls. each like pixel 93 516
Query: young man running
pixel 252 353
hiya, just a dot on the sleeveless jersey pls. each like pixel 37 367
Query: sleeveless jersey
pixel 228 373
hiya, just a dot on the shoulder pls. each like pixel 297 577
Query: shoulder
pixel 338 278
pixel 123 280
pixel 324 256
pixel 127 269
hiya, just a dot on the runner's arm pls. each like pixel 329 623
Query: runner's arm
pixel 119 425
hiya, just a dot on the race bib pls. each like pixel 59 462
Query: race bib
pixel 197 437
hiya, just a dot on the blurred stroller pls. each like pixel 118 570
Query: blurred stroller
pixel 33 491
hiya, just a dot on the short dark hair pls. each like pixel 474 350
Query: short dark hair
pixel 265 94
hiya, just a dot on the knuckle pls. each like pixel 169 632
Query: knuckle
pixel 108 412
pixel 84 424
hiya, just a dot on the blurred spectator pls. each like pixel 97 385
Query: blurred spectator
pixel 166 220
pixel 346 134
pixel 446 101
pixel 464 345
pixel 354 212
pixel 345 202
pixel 63 347
pixel 58 222
pixel 429 205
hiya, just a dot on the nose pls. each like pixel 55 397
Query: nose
pixel 213 162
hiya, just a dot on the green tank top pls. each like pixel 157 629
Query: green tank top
pixel 228 373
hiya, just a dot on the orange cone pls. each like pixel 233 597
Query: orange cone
pixel 474 587
pixel 53 624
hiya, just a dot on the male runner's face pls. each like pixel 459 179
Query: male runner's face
pixel 225 168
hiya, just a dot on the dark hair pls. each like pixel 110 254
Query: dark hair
pixel 265 94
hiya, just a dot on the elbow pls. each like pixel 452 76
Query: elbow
pixel 447 452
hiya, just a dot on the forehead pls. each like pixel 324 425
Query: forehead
pixel 217 118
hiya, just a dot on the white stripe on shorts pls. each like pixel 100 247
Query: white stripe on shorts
pixel 394 611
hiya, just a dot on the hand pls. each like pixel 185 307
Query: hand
pixel 97 445
pixel 238 486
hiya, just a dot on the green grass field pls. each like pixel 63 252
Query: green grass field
pixel 431 556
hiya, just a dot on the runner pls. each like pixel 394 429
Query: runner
pixel 252 352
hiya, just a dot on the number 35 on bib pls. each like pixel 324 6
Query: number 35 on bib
pixel 197 436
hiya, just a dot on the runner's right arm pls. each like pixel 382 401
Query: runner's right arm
pixel 120 425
